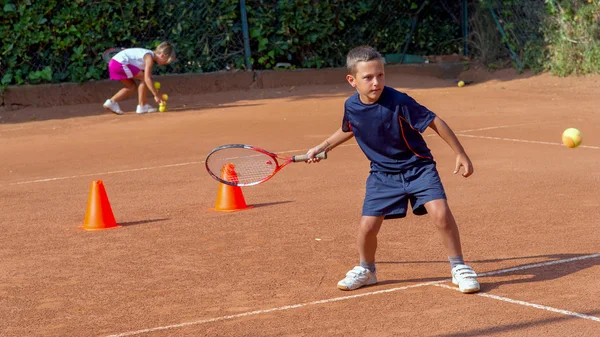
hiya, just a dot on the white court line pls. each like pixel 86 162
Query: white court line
pixel 499 127
pixel 343 145
pixel 526 141
pixel 287 307
pixel 528 304
pixel 337 299
pixel 542 264
pixel 105 173
pixel 131 170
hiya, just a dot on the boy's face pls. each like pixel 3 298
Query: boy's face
pixel 369 80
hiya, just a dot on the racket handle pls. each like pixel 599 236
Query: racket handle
pixel 305 157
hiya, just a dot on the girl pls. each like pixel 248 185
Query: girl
pixel 136 64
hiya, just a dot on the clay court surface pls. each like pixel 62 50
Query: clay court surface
pixel 529 218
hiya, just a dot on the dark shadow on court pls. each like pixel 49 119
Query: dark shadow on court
pixel 32 114
pixel 533 274
pixel 547 256
pixel 412 281
pixel 140 222
pixel 294 87
pixel 515 327
pixel 266 204
pixel 542 273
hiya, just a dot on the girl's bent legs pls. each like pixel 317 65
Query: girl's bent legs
pixel 142 88
pixel 367 237
pixel 125 92
pixel 444 221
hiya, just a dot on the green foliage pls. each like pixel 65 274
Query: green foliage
pixel 62 41
pixel 574 37
pixel 315 34
pixel 562 36
pixel 56 41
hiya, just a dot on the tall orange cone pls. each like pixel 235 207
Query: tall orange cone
pixel 230 198
pixel 99 214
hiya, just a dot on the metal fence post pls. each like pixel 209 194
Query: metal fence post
pixel 246 34
pixel 465 28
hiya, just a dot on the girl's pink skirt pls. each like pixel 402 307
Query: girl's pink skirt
pixel 118 71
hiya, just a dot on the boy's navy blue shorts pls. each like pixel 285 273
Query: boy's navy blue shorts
pixel 388 194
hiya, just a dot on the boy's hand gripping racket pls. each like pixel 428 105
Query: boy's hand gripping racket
pixel 245 165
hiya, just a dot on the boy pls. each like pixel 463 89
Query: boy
pixel 387 125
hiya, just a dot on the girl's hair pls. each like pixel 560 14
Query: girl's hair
pixel 360 54
pixel 167 49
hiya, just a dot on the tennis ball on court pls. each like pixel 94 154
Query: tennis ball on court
pixel 165 97
pixel 461 83
pixel 162 107
pixel 571 137
pixel 157 85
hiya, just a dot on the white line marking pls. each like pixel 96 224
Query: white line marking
pixel 497 127
pixel 525 141
pixel 131 170
pixel 336 299
pixel 287 307
pixel 542 264
pixel 105 173
pixel 528 304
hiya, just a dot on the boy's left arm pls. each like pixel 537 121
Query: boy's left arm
pixel 444 131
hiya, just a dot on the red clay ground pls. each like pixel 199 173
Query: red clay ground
pixel 176 268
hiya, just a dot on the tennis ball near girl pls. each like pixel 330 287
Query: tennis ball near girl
pixel 162 107
pixel 571 137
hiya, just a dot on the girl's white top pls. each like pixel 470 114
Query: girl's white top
pixel 133 56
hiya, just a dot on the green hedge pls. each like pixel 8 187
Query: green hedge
pixel 561 36
pixel 62 41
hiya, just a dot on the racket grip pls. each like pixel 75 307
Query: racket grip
pixel 305 157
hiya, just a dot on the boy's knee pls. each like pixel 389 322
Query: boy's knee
pixel 442 218
pixel 370 226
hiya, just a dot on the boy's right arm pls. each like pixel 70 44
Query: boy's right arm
pixel 337 138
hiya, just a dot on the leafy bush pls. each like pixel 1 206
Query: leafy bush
pixel 56 41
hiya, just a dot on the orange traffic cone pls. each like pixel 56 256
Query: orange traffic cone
pixel 230 198
pixel 99 214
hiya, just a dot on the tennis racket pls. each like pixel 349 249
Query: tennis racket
pixel 108 54
pixel 245 165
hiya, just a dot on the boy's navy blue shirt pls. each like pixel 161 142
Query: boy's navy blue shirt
pixel 389 130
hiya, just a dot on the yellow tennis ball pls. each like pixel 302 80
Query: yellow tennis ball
pixel 461 83
pixel 162 107
pixel 157 85
pixel 165 97
pixel 571 137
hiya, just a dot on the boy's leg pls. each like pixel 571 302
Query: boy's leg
pixel 367 237
pixel 444 221
pixel 365 273
pixel 462 275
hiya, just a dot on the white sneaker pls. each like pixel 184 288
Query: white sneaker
pixel 465 278
pixel 113 107
pixel 144 109
pixel 356 278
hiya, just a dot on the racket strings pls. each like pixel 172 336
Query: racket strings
pixel 241 166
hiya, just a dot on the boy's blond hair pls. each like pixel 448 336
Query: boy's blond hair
pixel 360 54
pixel 167 49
